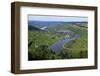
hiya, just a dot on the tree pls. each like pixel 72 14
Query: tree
pixel 41 53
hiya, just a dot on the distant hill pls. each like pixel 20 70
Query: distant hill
pixel 53 26
pixel 30 28
pixel 66 26
pixel 41 24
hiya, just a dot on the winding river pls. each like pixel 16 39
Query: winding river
pixel 58 46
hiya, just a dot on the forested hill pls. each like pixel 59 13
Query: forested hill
pixel 30 28
pixel 40 24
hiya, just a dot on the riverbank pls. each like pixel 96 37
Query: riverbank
pixel 58 46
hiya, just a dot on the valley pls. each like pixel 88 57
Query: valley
pixel 57 40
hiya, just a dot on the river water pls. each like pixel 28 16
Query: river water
pixel 58 46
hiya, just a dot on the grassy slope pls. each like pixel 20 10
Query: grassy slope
pixel 78 47
pixel 42 38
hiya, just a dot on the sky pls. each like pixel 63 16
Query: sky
pixel 57 18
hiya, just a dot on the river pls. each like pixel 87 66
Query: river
pixel 58 46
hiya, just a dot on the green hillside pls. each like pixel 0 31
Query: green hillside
pixel 39 42
pixel 38 45
pixel 78 48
